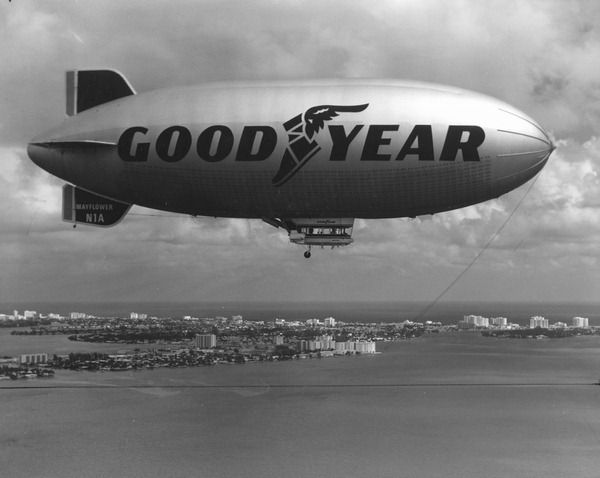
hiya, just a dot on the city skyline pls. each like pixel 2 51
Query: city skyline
pixel 327 322
pixel 538 59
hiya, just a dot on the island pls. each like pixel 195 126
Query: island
pixel 171 342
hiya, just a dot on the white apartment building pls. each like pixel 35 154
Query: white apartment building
pixel 206 341
pixel 538 321
pixel 472 321
pixel 580 322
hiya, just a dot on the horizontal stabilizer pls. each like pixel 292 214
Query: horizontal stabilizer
pixel 89 88
pixel 83 207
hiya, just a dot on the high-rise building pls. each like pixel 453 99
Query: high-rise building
pixel 538 321
pixel 314 345
pixel 327 342
pixel 329 322
pixel 33 359
pixel 278 339
pixel 365 347
pixel 472 321
pixel 499 321
pixel 580 322
pixel 355 346
pixel 206 341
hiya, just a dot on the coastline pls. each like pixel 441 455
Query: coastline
pixel 368 415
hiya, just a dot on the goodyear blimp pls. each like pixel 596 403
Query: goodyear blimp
pixel 308 156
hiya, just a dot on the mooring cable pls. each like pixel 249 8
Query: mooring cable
pixel 479 254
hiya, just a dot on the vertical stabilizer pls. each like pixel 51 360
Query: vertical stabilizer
pixel 89 88
pixel 84 207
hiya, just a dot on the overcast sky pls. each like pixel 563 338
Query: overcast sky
pixel 542 57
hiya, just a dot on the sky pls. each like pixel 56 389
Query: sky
pixel 543 57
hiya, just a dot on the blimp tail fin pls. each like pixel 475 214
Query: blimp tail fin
pixel 84 207
pixel 89 88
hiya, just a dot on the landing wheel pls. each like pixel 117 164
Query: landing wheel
pixel 307 254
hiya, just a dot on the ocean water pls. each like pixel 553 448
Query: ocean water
pixel 455 405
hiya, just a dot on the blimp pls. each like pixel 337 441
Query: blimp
pixel 308 157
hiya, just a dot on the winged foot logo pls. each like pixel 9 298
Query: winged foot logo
pixel 301 130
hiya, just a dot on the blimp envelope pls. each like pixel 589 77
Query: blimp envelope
pixel 291 153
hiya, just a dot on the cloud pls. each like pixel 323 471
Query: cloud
pixel 538 56
pixel 27 193
pixel 567 197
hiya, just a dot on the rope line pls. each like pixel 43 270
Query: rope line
pixel 483 249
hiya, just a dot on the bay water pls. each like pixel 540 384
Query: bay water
pixel 448 405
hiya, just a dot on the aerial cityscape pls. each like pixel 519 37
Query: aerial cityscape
pixel 351 239
pixel 193 341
